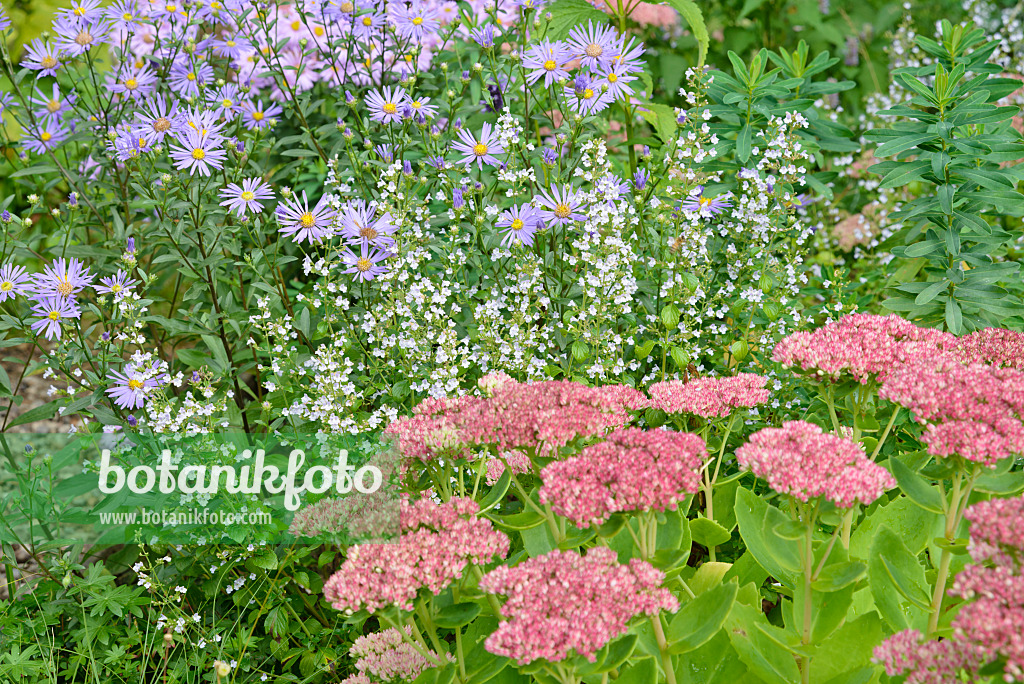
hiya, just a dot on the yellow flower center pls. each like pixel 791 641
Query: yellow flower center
pixel 347 7
pixel 131 84
pixel 364 264
pixel 48 62
pixel 390 107
pixel 307 220
pixel 191 76
pixel 479 149
pixel 368 233
pixel 230 43
pixel 171 8
pixel 80 11
pixel 612 78
pixel 83 38
pixel 296 25
pixel 594 50
pixel 416 21
pixel 416 104
pixel 127 16
pixel 54 316
pixel 705 201
pixel 7 286
pixel 45 136
pixel 562 210
pixel 248 196
pixel 134 385
pixel 587 94
pixel 367 21
pixel 226 103
pixel 257 116
pixel 550 65
pixel 199 153
pixel 318 31
pixel 517 224
pixel 53 106
pixel 162 124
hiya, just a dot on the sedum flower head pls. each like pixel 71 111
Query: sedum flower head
pixel 710 397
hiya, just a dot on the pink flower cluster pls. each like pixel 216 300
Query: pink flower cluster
pixel 994 346
pixel 990 625
pixel 518 461
pixel 710 397
pixel 974 411
pixel 438 541
pixel 387 657
pixel 632 470
pixel 369 517
pixel 800 460
pixel 563 602
pixel 863 346
pixel 541 415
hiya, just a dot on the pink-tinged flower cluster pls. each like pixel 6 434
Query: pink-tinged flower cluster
pixel 993 346
pixel 632 470
pixel 542 416
pixel 369 517
pixel 388 657
pixel 989 626
pixel 519 462
pixel 563 602
pixel 974 411
pixel 710 397
pixel 863 346
pixel 800 460
pixel 438 541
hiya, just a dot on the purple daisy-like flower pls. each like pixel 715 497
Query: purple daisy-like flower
pixel 157 118
pixel 257 116
pixel 594 45
pixel 547 60
pixel 52 311
pixel 129 143
pixel 386 106
pixel 562 205
pixel 421 106
pixel 84 10
pixel 585 96
pixel 479 149
pixel 628 56
pixel 520 223
pixel 361 225
pixel 130 388
pixel 198 152
pixel 44 136
pixel 124 15
pixel 42 57
pixel 116 285
pixel 415 22
pixel 230 47
pixel 484 36
pixel 706 206
pixel 303 224
pixel 134 83
pixel 14 281
pixel 75 36
pixel 247 196
pixel 616 78
pixel 62 278
pixel 54 105
pixel 227 100
pixel 365 266
pixel 186 77
pixel 368 26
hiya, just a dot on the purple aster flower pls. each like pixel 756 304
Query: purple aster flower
pixel 73 199
pixel 230 47
pixel 227 100
pixel 76 36
pixel 616 78
pixel 561 206
pixel 53 106
pixel 595 46
pixel 14 280
pixel 123 15
pixel 42 57
pixel 130 143
pixel 421 107
pixel 44 136
pixel 585 96
pixel 366 265
pixel 640 179
pixel 360 224
pixel 132 421
pixel 481 149
pixel 612 187
pixel 198 152
pixel 368 26
pixel 52 311
pixel 385 106
pixel 256 116
pixel 134 83
pixel 549 156
pixel 385 153
pixel 415 22
pixel 628 56
pixel 520 224
pixel 484 36
pixel 186 77
pixel 158 117
pixel 437 162
pixel 62 278
pixel 130 388
pixel 204 121
pixel 706 206
pixel 548 60
pixel 84 10
pixel 458 201
pixel 115 285
pixel 303 224
pixel 247 196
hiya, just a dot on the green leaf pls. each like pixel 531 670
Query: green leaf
pixel 700 619
pixel 44 412
pixel 902 144
pixel 566 14
pixel 640 672
pixel 848 649
pixel 897 582
pixel 916 487
pixel 708 533
pixel 909 521
pixel 497 492
pixel 758 645
pixel 839 576
pixel 757 521
pixel 708 576
pixel 690 12
pixel 954 317
pixel 457 615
